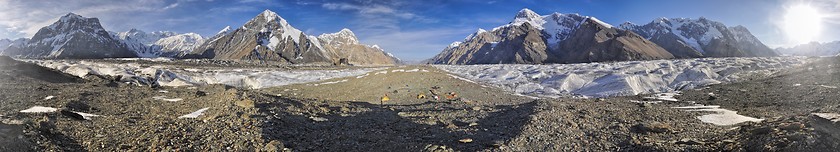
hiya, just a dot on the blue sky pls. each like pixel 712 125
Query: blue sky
pixel 411 30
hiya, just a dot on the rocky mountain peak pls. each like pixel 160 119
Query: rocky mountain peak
pixel 554 38
pixel 271 26
pixel 73 36
pixel 526 14
pixel 265 18
pixel 269 15
pixel 4 42
pixel 269 37
pixel 627 25
pixel 343 36
pixel 134 30
pixel 700 37
pixel 347 31
pixel 71 16
pixel 72 22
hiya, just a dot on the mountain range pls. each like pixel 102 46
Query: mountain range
pixel 691 38
pixel 529 39
pixel 267 37
pixel 16 44
pixel 813 49
pixel 72 36
pixel 160 43
pixel 572 38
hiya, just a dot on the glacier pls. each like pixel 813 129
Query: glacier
pixel 595 80
pixel 174 76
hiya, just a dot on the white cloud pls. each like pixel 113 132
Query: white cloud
pixel 173 5
pixel 340 6
pixel 376 11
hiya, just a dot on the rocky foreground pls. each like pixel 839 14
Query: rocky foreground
pixel 344 114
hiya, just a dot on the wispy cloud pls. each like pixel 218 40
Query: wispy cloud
pixel 414 44
pixel 382 23
pixel 379 15
pixel 173 5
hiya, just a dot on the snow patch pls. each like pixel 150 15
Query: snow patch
pixel 49 97
pixel 417 70
pixel 645 102
pixel 273 42
pixel 194 114
pixel 224 31
pixel 362 76
pixel 86 116
pixel 167 99
pixel 600 22
pixel 828 116
pixel 454 44
pixel 460 78
pixel 331 82
pixel 39 109
pixel 720 117
pixel 828 86
pixel 664 96
pixel 318 119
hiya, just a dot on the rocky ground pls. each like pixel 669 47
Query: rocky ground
pixel 345 114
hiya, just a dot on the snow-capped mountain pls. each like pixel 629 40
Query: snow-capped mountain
pixel 159 43
pixel 344 44
pixel 13 44
pixel 179 44
pixel 557 26
pixel 4 43
pixel 72 36
pixel 813 49
pixel 555 38
pixel 689 38
pixel 269 37
pixel 265 37
pixel 219 35
pixel 596 41
pixel 142 42
pixel 144 37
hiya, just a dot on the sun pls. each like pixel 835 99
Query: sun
pixel 802 23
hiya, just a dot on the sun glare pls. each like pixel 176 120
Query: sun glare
pixel 802 23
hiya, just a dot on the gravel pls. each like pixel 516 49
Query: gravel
pixel 347 116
